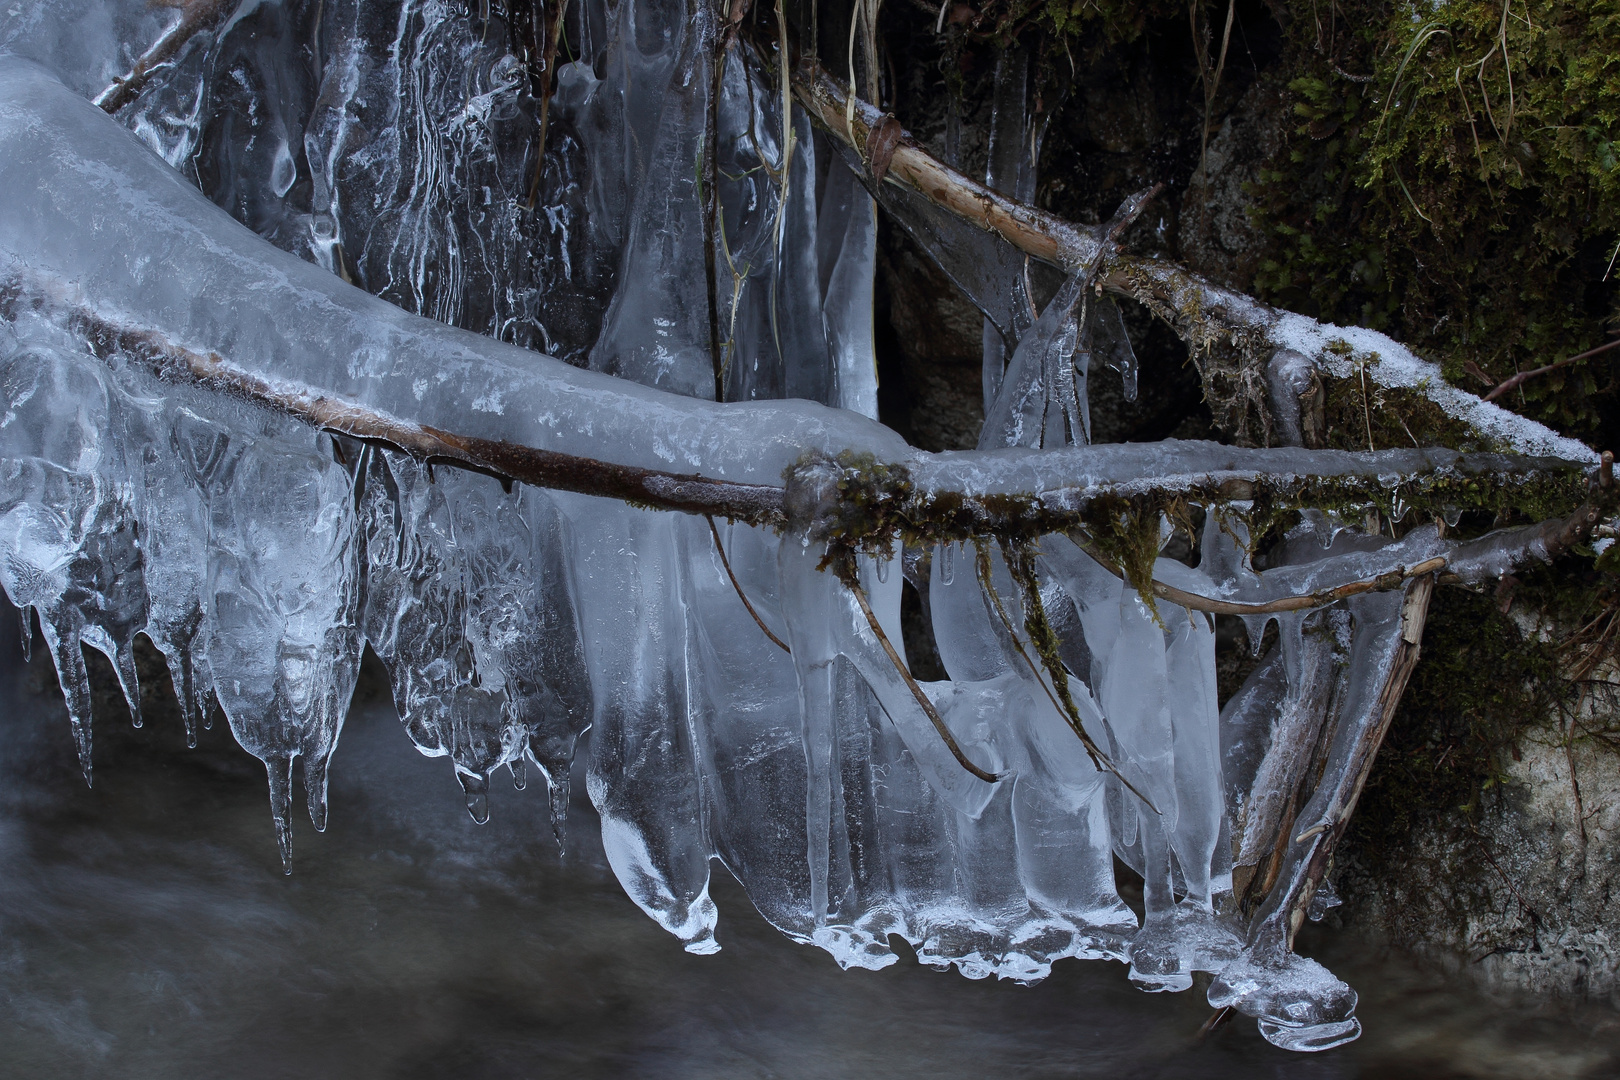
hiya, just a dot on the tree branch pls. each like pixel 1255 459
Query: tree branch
pixel 756 504
pixel 195 16
pixel 861 504
pixel 1508 384
pixel 1203 313
pixel 1035 232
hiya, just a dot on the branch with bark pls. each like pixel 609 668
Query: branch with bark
pixel 1275 344
pixel 195 17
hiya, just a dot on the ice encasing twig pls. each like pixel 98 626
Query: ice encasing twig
pixel 195 16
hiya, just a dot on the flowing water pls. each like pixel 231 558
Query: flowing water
pixel 146 930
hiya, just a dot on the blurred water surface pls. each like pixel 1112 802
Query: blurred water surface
pixel 146 931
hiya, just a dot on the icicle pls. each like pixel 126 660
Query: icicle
pixel 643 774
pixel 848 253
pixel 481 659
pixel 657 327
pixel 1038 404
pixel 476 788
pixel 284 608
pixel 278 768
pixel 180 451
pixel 1113 343
pixel 1009 170
pixel 67 546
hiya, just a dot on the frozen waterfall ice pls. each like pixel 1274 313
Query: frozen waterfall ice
pixel 742 702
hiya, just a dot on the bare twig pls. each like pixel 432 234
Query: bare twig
pixel 1509 383
pixel 714 530
pixel 1391 579
pixel 1093 751
pixel 1211 80
pixel 927 706
pixel 1054 667
pixel 1217 1020
pixel 549 62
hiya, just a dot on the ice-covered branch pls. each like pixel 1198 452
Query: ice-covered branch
pixel 1338 578
pixel 195 16
pixel 851 499
pixel 756 504
pixel 856 501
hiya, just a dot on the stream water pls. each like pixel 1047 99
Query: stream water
pixel 146 930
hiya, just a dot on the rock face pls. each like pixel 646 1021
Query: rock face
pixel 1216 233
pixel 1519 894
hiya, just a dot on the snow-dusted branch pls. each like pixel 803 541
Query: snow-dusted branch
pixel 1204 313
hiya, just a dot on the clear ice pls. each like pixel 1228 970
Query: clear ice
pixel 293 158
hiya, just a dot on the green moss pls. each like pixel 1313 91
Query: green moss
pixel 1360 415
pixel 859 504
pixel 1125 531
pixel 1471 220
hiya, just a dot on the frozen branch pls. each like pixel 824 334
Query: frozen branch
pixel 858 503
pixel 195 16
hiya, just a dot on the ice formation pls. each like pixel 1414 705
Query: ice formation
pixel 745 703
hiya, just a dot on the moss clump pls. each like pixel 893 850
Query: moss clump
pixel 1125 531
pixel 1360 415
pixel 1421 194
pixel 856 503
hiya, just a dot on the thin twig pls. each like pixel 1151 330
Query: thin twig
pixel 1217 1019
pixel 714 530
pixel 1286 914
pixel 1212 83
pixel 1385 582
pixel 708 182
pixel 1513 381
pixel 549 60
pixel 982 561
pixel 911 683
pixel 1099 760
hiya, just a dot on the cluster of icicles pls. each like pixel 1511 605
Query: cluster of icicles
pixel 388 145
